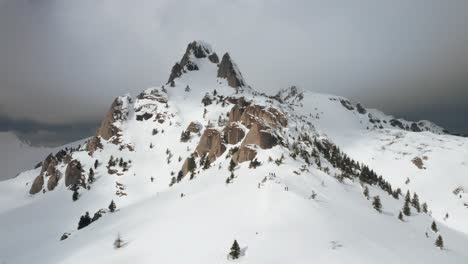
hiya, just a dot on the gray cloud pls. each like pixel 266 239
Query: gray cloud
pixel 63 61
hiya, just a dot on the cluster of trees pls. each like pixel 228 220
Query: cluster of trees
pixel 86 220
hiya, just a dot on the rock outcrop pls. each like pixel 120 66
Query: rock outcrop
pixel 245 153
pixel 37 184
pixel 194 127
pixel 211 144
pixel 117 112
pixel 73 173
pixel 233 134
pixel 49 169
pixel 53 180
pixel 93 144
pixel 259 114
pixel 235 113
pixel 229 71
pixel 261 136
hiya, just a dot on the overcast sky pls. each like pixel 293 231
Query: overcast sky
pixel 62 62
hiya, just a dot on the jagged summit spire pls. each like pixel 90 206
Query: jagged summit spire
pixel 229 70
pixel 199 50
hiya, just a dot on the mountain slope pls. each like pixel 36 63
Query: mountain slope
pixel 205 159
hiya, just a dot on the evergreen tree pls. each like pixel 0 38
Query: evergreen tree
pixel 206 164
pixel 192 165
pixel 91 175
pixel 112 206
pixel 439 242
pixel 75 195
pixel 96 164
pixel 377 204
pixel 408 197
pixel 406 209
pixel 118 242
pixel 400 216
pixel 415 203
pixel 434 227
pixel 235 250
pixel 180 176
pixel 366 192
pixel 173 181
pixel 424 208
pixel 254 164
pixel 232 165
pixel 85 220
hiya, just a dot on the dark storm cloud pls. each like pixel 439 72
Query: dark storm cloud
pixel 63 61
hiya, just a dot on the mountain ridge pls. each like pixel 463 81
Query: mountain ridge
pixel 207 156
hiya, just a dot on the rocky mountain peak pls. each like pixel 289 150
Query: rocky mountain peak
pixel 195 50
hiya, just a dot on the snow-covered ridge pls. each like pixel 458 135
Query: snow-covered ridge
pixel 195 158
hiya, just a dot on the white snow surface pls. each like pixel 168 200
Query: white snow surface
pixel 272 223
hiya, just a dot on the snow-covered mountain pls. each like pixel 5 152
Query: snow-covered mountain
pixel 205 159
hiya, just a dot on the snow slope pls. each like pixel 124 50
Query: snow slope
pixel 269 210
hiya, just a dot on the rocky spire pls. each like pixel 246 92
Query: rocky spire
pixel 195 50
pixel 228 70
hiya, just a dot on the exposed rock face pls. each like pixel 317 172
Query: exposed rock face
pixel 235 113
pixel 256 113
pixel 214 58
pixel 197 50
pixel 233 134
pixel 73 173
pixel 45 164
pixel 229 71
pixel 117 112
pixel 415 127
pixel 60 155
pixel 53 181
pixel 93 144
pixel 194 127
pixel 245 153
pixel 49 169
pixel 176 72
pixel 37 184
pixel 211 143
pixel 361 109
pixel 261 136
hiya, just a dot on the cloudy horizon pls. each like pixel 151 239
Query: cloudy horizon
pixel 62 62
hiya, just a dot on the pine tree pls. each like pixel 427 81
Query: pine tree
pixel 424 208
pixel 406 209
pixel 400 216
pixel 75 195
pixel 235 250
pixel 366 192
pixel 232 165
pixel 377 204
pixel 192 165
pixel 206 164
pixel 85 220
pixel 434 227
pixel 439 242
pixel 408 197
pixel 173 181
pixel 91 175
pixel 112 206
pixel 96 164
pixel 415 203
pixel 118 242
